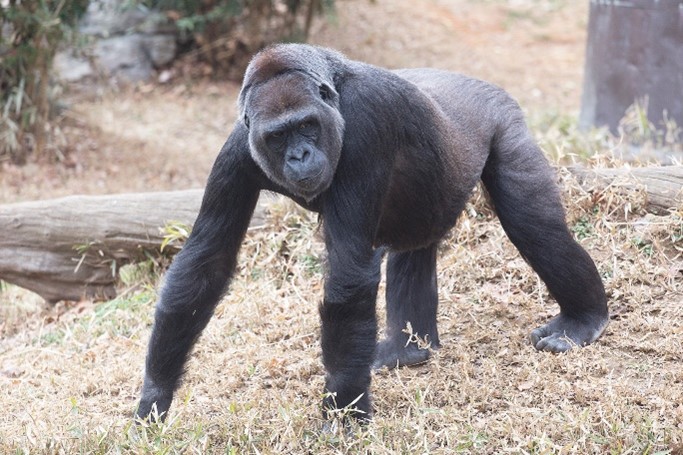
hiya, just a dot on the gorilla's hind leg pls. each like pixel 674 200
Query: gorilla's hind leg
pixel 411 298
pixel 526 198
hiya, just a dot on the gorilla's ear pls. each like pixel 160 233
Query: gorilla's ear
pixel 327 92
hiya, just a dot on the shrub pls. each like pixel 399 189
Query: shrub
pixel 222 35
pixel 30 32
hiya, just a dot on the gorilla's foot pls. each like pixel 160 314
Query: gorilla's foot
pixel 563 333
pixel 392 353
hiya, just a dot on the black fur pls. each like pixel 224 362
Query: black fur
pixel 388 159
pixel 411 277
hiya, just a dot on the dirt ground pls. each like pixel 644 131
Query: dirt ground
pixel 70 375
pixel 158 137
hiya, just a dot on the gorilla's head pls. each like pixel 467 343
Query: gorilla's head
pixel 295 127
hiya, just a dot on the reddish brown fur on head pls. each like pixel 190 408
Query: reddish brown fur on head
pixel 280 94
pixel 319 64
pixel 267 64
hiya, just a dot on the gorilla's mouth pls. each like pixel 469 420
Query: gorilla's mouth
pixel 311 185
pixel 309 180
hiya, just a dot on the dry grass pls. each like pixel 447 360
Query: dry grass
pixel 70 375
pixel 70 379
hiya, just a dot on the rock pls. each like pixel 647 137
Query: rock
pixel 156 23
pixel 107 18
pixel 71 68
pixel 127 43
pixel 124 56
pixel 160 49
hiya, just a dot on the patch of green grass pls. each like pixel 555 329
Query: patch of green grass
pixel 121 316
pixel 143 274
pixel 676 235
pixel 583 228
pixel 558 134
pixel 52 337
pixel 644 246
pixel 313 264
pixel 175 234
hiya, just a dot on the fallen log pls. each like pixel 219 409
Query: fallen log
pixel 663 185
pixel 73 247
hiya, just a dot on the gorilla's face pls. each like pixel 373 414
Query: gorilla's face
pixel 295 132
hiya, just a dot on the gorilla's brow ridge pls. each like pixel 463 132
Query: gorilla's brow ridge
pixel 248 87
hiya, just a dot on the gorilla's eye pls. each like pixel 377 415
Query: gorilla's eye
pixel 276 139
pixel 324 92
pixel 308 128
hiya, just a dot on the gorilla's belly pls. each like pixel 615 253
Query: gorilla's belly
pixel 416 219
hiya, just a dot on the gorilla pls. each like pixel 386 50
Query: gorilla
pixel 388 159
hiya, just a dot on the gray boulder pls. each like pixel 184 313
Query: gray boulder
pixel 126 43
